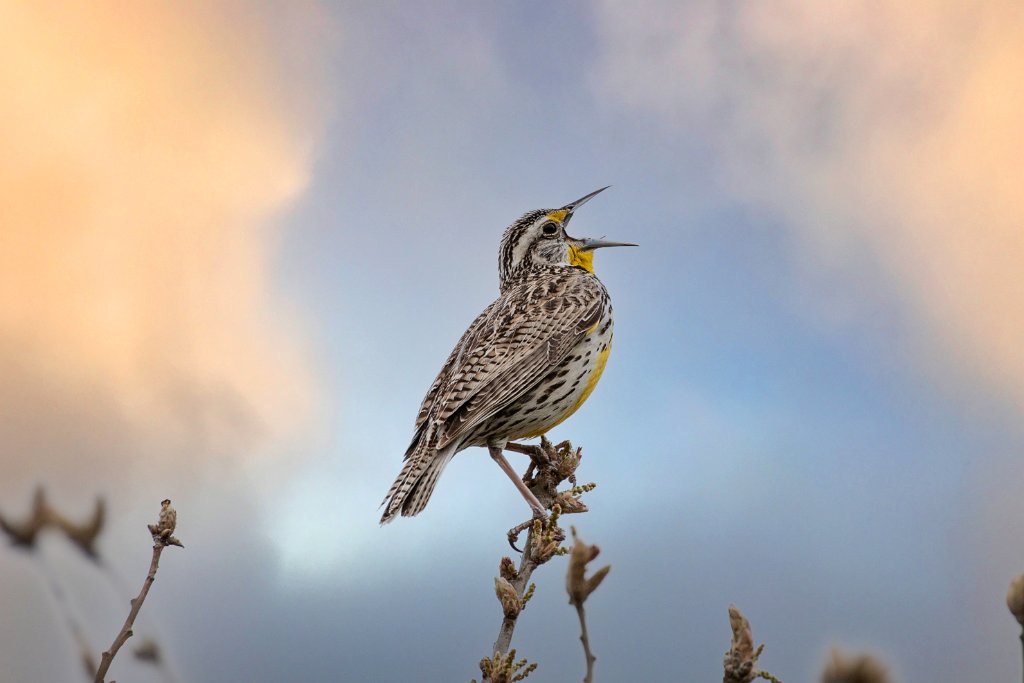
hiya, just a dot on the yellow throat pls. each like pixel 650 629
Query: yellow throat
pixel 583 259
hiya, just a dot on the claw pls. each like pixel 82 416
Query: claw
pixel 513 534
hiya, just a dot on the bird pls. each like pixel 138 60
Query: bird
pixel 524 365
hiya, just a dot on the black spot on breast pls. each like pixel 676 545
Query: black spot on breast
pixel 565 395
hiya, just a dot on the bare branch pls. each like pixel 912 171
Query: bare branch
pixel 82 535
pixel 161 532
pixel 585 639
pixel 24 533
pixel 580 587
pixel 44 515
pixel 542 543
pixel 550 466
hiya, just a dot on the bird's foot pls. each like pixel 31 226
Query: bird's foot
pixel 513 533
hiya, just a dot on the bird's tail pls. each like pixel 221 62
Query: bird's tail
pixel 414 484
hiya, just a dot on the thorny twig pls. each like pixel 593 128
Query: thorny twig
pixel 161 532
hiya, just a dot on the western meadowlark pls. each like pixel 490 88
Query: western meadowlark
pixel 524 365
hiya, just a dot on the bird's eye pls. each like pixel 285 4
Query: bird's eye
pixel 549 228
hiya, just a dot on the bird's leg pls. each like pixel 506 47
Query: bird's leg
pixel 538 509
pixel 532 467
pixel 541 458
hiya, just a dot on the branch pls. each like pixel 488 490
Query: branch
pixel 542 543
pixel 740 663
pixel 1015 603
pixel 585 639
pixel 24 534
pixel 580 588
pixel 161 532
pixel 45 515
pixel 550 466
pixel 72 624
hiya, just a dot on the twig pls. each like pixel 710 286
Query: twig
pixel 537 551
pixel 740 662
pixel 162 538
pixel 580 587
pixel 549 467
pixel 1015 603
pixel 45 515
pixel 71 622
pixel 585 639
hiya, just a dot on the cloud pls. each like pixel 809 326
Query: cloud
pixel 886 129
pixel 147 151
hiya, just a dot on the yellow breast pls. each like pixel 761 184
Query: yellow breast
pixel 595 375
pixel 588 388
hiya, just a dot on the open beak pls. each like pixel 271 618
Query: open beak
pixel 590 244
pixel 572 206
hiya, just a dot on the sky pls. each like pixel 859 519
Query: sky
pixel 239 239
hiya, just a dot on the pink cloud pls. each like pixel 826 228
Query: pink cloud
pixel 148 151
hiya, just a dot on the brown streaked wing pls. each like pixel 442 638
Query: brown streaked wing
pixel 446 369
pixel 523 340
pixel 444 377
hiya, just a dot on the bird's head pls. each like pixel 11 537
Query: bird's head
pixel 539 239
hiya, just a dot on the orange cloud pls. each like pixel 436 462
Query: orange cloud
pixel 892 126
pixel 147 150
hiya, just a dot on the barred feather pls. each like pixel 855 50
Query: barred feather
pixel 414 485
